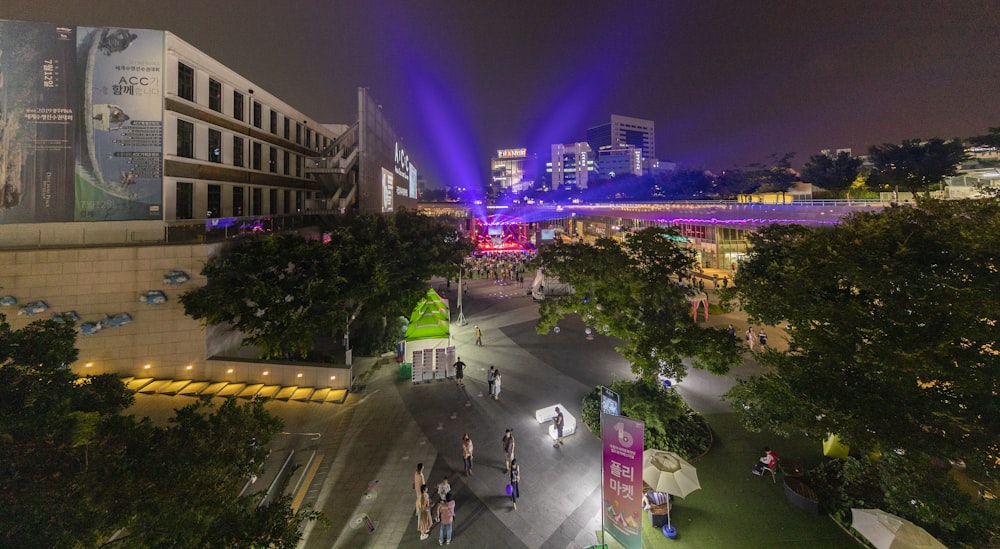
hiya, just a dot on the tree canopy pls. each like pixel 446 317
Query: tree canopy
pixel 893 320
pixel 915 165
pixel 632 290
pixel 283 291
pixel 76 470
pixel 833 173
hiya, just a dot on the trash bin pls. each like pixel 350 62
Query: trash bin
pixel 406 370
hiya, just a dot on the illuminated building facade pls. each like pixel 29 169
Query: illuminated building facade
pixel 625 131
pixel 513 170
pixel 572 166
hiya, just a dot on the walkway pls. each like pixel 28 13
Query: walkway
pixel 381 434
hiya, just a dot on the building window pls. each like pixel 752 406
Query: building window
pixel 274 122
pixel 298 201
pixel 286 205
pixel 298 166
pixel 309 138
pixel 256 156
pixel 256 114
pixel 215 95
pixel 185 200
pixel 185 139
pixel 288 126
pixel 272 161
pixel 287 164
pixel 258 198
pixel 185 82
pixel 272 207
pixel 298 134
pixel 238 105
pixel 214 201
pixel 237 201
pixel 214 146
pixel 237 151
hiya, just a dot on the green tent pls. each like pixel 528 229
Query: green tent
pixel 430 319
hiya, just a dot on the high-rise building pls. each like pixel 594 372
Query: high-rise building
pixel 612 163
pixel 514 170
pixel 624 131
pixel 572 165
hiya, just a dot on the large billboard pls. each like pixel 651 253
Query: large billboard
pixel 81 117
pixel 387 179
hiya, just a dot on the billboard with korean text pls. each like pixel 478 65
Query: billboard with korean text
pixel 622 439
pixel 81 116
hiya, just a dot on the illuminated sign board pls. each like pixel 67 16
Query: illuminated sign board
pixel 512 153
pixel 387 190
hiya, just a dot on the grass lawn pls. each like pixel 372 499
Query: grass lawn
pixel 736 509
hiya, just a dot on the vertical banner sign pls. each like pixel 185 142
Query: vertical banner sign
pixel 610 402
pixel 120 146
pixel 622 440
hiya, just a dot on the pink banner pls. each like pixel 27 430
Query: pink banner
pixel 622 510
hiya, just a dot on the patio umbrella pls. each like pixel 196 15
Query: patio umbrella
pixel 887 531
pixel 668 472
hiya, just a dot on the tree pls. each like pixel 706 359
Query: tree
pixel 75 470
pixel 833 173
pixel 283 291
pixel 893 321
pixel 915 165
pixel 632 290
pixel 776 176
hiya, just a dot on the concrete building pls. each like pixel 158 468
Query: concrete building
pixel 571 166
pixel 126 154
pixel 624 131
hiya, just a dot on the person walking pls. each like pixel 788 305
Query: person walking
pixel 459 372
pixel 750 337
pixel 496 384
pixel 515 479
pixel 762 338
pixel 559 420
pixel 731 330
pixel 418 481
pixel 479 336
pixel 490 377
pixel 424 522
pixel 508 448
pixel 446 516
pixel 467 454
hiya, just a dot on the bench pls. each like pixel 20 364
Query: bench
pixel 547 414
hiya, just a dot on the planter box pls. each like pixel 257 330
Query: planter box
pixel 801 495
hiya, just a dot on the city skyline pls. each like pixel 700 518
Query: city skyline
pixel 725 84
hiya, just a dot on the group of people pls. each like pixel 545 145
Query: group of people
pixel 494 382
pixel 755 337
pixel 442 511
pixel 442 508
pixel 501 267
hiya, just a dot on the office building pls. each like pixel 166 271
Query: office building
pixel 572 166
pixel 513 171
pixel 624 131
pixel 128 156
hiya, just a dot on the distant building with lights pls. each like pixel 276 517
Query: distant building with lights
pixel 572 166
pixel 513 170
pixel 154 155
pixel 623 132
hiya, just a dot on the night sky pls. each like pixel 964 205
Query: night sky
pixel 727 82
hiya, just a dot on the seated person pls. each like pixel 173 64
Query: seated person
pixel 769 460
pixel 651 498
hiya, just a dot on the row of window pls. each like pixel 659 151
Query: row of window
pixel 280 201
pixel 186 90
pixel 186 149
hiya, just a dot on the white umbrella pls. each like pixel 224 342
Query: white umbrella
pixel 887 531
pixel 668 472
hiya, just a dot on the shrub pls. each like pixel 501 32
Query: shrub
pixel 669 423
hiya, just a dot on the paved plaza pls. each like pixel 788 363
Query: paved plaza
pixel 370 445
